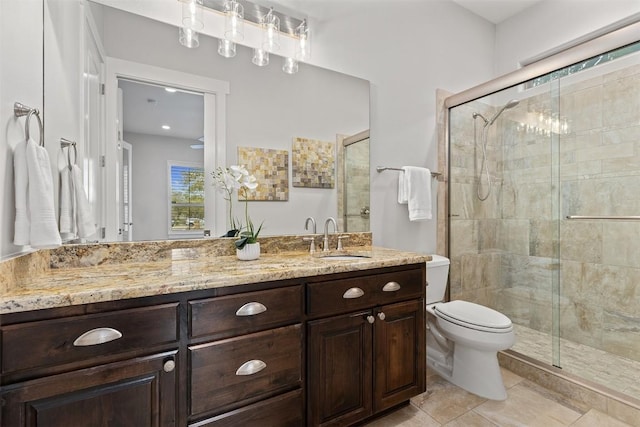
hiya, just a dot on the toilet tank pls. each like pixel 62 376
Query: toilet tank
pixel 437 274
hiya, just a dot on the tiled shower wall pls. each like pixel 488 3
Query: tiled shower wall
pixel 506 250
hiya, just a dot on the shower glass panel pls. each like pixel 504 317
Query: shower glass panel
pixel 543 195
pixel 356 185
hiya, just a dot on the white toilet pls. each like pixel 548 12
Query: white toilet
pixel 463 338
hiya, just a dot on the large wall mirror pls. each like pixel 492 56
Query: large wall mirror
pixel 112 80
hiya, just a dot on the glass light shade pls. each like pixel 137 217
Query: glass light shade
pixel 234 21
pixel 260 57
pixel 270 25
pixel 290 66
pixel 303 42
pixel 188 38
pixel 192 15
pixel 226 48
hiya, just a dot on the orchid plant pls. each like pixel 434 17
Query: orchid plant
pixel 237 178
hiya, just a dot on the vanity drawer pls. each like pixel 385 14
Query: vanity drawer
pixel 243 313
pixel 57 341
pixel 235 370
pixel 344 295
pixel 284 410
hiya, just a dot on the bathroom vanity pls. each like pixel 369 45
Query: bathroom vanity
pixel 189 340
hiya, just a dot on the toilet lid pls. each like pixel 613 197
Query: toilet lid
pixel 473 316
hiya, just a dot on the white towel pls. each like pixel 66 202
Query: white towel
pixel 84 220
pixel 403 198
pixel 21 182
pixel 67 226
pixel 44 228
pixel 418 189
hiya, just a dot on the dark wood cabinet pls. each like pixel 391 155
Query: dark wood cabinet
pixel 340 375
pixel 328 350
pixel 400 353
pixel 365 361
pixel 134 393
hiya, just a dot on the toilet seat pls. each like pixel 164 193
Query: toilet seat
pixel 473 316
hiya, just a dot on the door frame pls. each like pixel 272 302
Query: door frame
pixel 214 91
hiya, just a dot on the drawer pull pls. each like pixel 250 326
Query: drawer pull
pixel 391 287
pixel 251 309
pixel 251 367
pixel 353 293
pixel 97 336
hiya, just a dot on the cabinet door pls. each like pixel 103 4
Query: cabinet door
pixel 135 393
pixel 339 370
pixel 400 364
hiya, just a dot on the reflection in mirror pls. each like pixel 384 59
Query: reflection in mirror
pixel 262 108
pixel 164 128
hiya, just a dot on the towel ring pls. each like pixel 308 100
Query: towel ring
pixel 22 110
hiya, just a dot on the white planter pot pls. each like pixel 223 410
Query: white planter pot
pixel 249 252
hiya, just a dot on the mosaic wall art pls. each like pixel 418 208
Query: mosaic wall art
pixel 313 163
pixel 271 169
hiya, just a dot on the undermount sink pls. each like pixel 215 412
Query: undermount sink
pixel 341 257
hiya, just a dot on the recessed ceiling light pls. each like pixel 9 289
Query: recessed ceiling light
pixel 166 127
pixel 171 89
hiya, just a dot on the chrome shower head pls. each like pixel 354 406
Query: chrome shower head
pixel 508 105
pixel 476 115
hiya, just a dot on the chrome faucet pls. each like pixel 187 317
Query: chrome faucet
pixel 313 221
pixel 325 240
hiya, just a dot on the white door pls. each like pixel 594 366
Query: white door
pixel 93 159
pixel 126 222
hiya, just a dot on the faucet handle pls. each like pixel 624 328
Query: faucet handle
pixel 340 238
pixel 312 247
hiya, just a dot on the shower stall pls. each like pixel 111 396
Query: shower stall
pixel 544 208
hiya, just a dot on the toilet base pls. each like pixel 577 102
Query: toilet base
pixel 473 370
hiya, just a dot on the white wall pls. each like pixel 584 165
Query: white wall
pixel 20 80
pixel 407 50
pixel 552 23
pixel 150 154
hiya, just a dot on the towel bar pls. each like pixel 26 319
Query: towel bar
pixel 385 168
pixel 618 218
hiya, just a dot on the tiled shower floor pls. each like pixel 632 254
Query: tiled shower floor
pixel 615 372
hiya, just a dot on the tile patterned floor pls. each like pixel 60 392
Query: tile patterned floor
pixel 527 405
pixel 586 362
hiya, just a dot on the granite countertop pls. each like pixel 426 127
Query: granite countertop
pixel 182 270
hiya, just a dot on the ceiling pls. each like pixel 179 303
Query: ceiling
pixel 147 107
pixel 496 11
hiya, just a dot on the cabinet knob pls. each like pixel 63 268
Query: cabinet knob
pixel 391 287
pixel 251 309
pixel 371 319
pixel 353 293
pixel 169 365
pixel 97 336
pixel 381 315
pixel 251 367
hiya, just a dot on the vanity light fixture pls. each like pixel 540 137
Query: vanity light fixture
pixel 188 38
pixel 192 22
pixel 290 66
pixel 260 57
pixel 226 48
pixel 270 24
pixel 303 44
pixel 234 21
pixel 192 15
